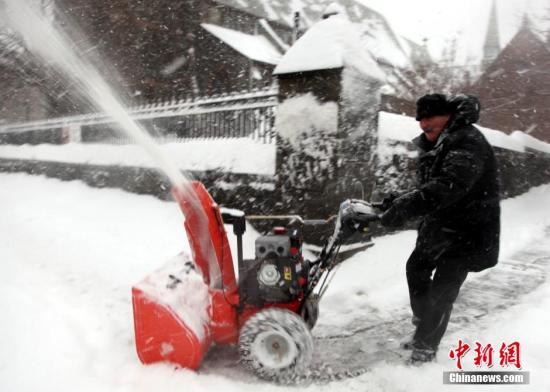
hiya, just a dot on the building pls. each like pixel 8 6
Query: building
pixel 515 88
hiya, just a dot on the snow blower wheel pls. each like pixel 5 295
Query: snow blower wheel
pixel 275 344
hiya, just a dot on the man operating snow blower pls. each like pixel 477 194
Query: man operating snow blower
pixel 457 199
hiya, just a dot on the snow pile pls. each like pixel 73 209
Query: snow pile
pixel 331 43
pixel 397 127
pixel 299 118
pixel 179 286
pixel 238 155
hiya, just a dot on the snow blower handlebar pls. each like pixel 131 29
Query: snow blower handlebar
pixel 353 216
pixel 293 219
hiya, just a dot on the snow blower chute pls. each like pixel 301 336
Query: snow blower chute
pixel 184 307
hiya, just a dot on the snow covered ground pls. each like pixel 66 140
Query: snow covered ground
pixel 200 155
pixel 70 254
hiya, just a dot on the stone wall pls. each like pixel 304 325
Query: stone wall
pixel 362 177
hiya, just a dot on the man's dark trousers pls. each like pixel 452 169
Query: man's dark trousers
pixel 432 299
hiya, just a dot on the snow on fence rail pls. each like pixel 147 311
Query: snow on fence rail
pixel 243 114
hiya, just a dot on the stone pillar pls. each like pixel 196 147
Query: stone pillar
pixel 308 141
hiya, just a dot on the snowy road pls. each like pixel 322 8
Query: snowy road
pixel 70 254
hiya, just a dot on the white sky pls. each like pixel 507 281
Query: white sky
pixel 438 20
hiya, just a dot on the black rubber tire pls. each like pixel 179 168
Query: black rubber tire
pixel 276 344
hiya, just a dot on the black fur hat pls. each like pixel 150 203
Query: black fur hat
pixel 432 105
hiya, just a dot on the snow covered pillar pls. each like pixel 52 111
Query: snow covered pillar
pixel 314 110
pixel 307 125
pixel 307 148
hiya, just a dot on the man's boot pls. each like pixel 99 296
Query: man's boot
pixel 408 344
pixel 421 355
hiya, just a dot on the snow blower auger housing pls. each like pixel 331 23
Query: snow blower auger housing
pixel 186 306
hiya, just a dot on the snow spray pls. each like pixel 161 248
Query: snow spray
pixel 54 46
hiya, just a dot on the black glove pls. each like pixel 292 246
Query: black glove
pixel 394 217
pixel 387 202
pixel 405 207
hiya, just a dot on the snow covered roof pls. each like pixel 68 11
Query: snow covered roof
pixel 379 37
pixel 383 44
pixel 334 42
pixel 255 47
pixel 273 34
pixel 282 11
pixel 11 46
pixel 417 53
pixel 403 128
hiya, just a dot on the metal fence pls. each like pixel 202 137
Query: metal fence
pixel 244 114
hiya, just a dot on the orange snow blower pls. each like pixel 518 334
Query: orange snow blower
pixel 186 306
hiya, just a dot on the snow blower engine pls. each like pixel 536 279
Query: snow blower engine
pixel 268 310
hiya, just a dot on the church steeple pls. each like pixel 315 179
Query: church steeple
pixel 491 49
pixel 525 22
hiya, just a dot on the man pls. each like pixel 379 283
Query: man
pixel 457 199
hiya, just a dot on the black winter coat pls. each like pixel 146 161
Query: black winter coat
pixel 457 196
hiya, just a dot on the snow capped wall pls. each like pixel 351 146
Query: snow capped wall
pixel 237 155
pixel 523 161
pixel 530 142
pixel 397 127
